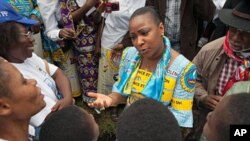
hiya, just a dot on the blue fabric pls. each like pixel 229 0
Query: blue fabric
pixel 25 7
pixel 37 132
pixel 7 14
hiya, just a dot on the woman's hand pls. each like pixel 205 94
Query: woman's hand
pixel 67 33
pixel 102 101
pixel 61 104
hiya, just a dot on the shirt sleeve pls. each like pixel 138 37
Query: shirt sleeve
pixel 52 68
pixel 200 91
pixel 48 12
pixel 182 100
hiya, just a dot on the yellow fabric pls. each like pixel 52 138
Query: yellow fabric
pixel 106 72
pixel 180 104
pixel 128 86
pixel 169 85
pixel 141 80
pixel 134 97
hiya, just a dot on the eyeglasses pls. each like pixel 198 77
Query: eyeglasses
pixel 29 34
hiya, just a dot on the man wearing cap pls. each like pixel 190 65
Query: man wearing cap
pixel 17 47
pixel 225 61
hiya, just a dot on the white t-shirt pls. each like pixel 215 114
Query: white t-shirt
pixel 34 68
pixel 116 23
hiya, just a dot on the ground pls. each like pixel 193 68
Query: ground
pixel 106 125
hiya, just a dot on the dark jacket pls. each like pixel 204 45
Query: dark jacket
pixel 221 28
pixel 191 11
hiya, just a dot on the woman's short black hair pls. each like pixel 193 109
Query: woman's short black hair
pixel 147 10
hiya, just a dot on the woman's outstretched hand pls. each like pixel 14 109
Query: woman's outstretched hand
pixel 101 100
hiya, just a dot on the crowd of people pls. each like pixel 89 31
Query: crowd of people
pixel 160 58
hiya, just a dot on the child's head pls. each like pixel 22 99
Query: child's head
pixel 233 109
pixel 71 123
pixel 147 120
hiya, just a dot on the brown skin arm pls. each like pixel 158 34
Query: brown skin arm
pixel 106 100
pixel 97 14
pixel 80 12
pixel 98 37
pixel 63 85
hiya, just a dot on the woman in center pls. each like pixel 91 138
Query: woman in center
pixel 152 69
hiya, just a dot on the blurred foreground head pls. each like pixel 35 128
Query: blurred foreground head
pixel 70 124
pixel 147 120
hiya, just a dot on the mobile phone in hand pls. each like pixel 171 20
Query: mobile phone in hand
pixel 88 99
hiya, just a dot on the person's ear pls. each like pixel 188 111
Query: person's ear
pixel 161 27
pixel 5 108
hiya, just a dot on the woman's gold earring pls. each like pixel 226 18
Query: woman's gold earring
pixel 162 34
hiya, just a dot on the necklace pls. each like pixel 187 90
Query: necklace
pixel 148 66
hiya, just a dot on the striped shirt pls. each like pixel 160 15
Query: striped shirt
pixel 226 73
pixel 172 22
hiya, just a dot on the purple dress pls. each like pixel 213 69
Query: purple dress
pixel 83 43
